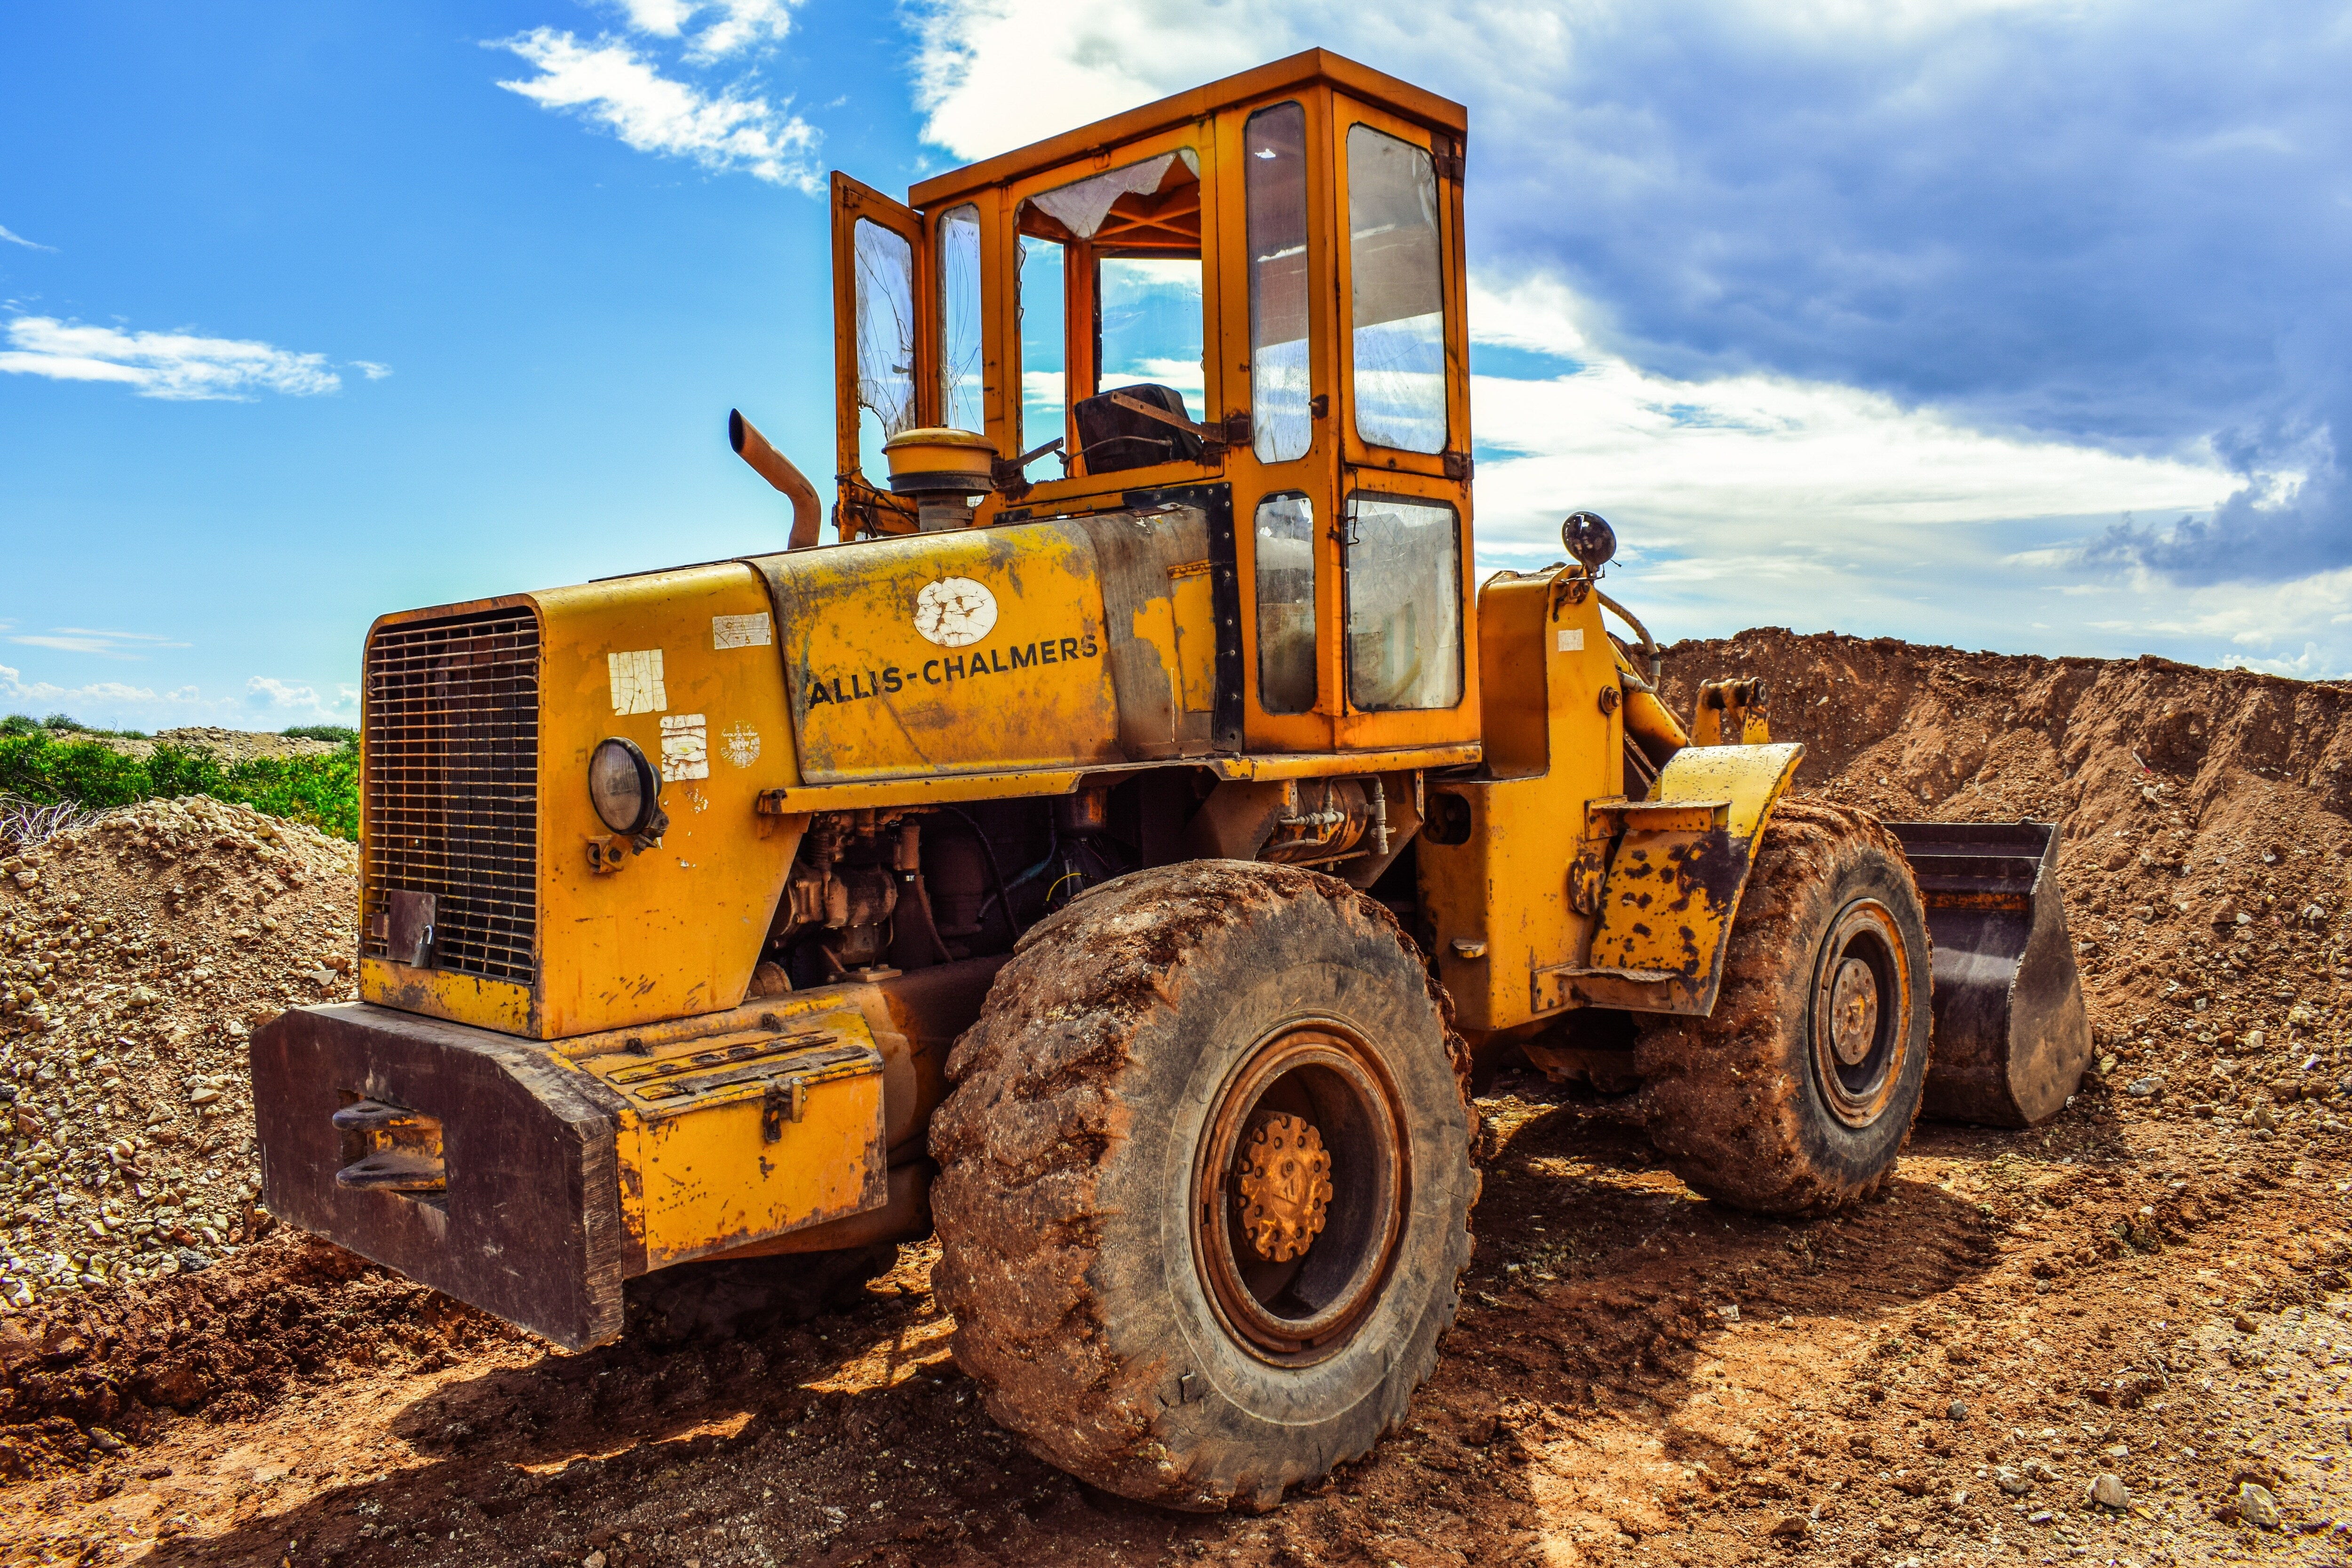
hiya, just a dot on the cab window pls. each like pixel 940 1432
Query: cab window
pixel 1396 299
pixel 1404 604
pixel 1274 173
pixel 886 340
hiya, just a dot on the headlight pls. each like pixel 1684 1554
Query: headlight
pixel 623 787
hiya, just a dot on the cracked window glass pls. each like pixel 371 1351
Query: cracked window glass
pixel 958 257
pixel 1404 604
pixel 1397 308
pixel 886 341
pixel 1275 144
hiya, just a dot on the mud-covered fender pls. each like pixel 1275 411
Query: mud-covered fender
pixel 1675 866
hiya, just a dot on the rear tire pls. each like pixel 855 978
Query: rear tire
pixel 1797 1094
pixel 1158 1282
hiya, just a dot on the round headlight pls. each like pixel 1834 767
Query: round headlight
pixel 623 785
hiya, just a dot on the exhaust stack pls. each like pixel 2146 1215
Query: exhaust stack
pixel 808 511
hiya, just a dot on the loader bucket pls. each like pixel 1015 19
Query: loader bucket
pixel 2012 1038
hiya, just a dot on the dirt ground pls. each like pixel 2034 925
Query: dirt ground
pixel 2153 1288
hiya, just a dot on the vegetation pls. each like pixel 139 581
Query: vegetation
pixel 48 765
pixel 342 734
pixel 62 723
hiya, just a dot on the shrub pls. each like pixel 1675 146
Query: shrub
pixel 322 791
pixel 342 734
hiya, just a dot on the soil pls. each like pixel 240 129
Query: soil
pixel 2148 1295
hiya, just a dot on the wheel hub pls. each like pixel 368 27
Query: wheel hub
pixel 1853 1011
pixel 1284 1178
pixel 1300 1192
pixel 1860 1012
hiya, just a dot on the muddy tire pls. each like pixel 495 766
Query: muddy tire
pixel 1205 1183
pixel 1797 1094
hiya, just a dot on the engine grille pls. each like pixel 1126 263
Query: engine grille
pixel 452 770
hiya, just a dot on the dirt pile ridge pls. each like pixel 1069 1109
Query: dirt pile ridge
pixel 137 954
pixel 2144 1302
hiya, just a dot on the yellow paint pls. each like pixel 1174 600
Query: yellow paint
pixel 677 930
pixel 1196 636
pixel 948 652
pixel 1673 886
pixel 1507 887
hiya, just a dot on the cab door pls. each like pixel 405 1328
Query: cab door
pixel 885 338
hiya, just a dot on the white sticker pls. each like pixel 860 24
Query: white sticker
pixel 1571 641
pixel 636 681
pixel 742 745
pixel 954 612
pixel 684 754
pixel 739 631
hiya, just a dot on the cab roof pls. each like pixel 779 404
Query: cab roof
pixel 1400 98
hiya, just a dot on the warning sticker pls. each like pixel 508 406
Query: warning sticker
pixel 637 682
pixel 1571 641
pixel 686 752
pixel 742 745
pixel 739 631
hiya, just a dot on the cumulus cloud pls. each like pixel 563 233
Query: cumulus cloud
pixel 2120 226
pixel 13 238
pixel 266 702
pixel 161 364
pixel 608 83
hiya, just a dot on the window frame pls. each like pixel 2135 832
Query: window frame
pixel 1380 489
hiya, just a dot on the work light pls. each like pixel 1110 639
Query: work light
pixel 623 787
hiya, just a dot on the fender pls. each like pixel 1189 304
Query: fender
pixel 1664 875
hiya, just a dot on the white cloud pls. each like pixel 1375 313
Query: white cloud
pixel 267 703
pixel 87 640
pixel 161 364
pixel 370 368
pixel 15 238
pixel 610 84
pixel 739 24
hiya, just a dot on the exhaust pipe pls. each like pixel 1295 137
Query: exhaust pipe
pixel 808 511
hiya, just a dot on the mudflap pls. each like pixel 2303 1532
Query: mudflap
pixel 2011 1037
pixel 527 1223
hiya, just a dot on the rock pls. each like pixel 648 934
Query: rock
pixel 2036 1470
pixel 191 1261
pixel 2009 1481
pixel 2040 1516
pixel 594 1560
pixel 1958 1410
pixel 2257 1507
pixel 1791 1527
pixel 2255 1038
pixel 2109 1491
pixel 2143 1088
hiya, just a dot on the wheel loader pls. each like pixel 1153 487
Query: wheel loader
pixel 1123 845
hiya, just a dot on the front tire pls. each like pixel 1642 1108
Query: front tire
pixel 1798 1093
pixel 1206 1182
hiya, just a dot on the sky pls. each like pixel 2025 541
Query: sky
pixel 2002 324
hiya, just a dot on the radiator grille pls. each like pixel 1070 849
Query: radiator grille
pixel 452 763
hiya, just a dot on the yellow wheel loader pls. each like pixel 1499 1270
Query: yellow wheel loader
pixel 1123 845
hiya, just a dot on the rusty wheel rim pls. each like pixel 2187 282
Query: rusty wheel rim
pixel 1860 1012
pixel 1298 1193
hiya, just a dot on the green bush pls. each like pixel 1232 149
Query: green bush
pixel 322 791
pixel 342 734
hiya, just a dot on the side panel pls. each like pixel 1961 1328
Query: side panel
pixel 1499 900
pixel 956 652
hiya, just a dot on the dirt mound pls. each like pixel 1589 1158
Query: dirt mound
pixel 137 953
pixel 2205 850
pixel 2151 1290
pixel 228 745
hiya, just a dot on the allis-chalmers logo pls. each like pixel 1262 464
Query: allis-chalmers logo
pixel 954 612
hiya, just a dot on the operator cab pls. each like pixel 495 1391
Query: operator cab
pixel 1239 311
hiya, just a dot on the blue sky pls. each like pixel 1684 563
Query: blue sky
pixel 2011 325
